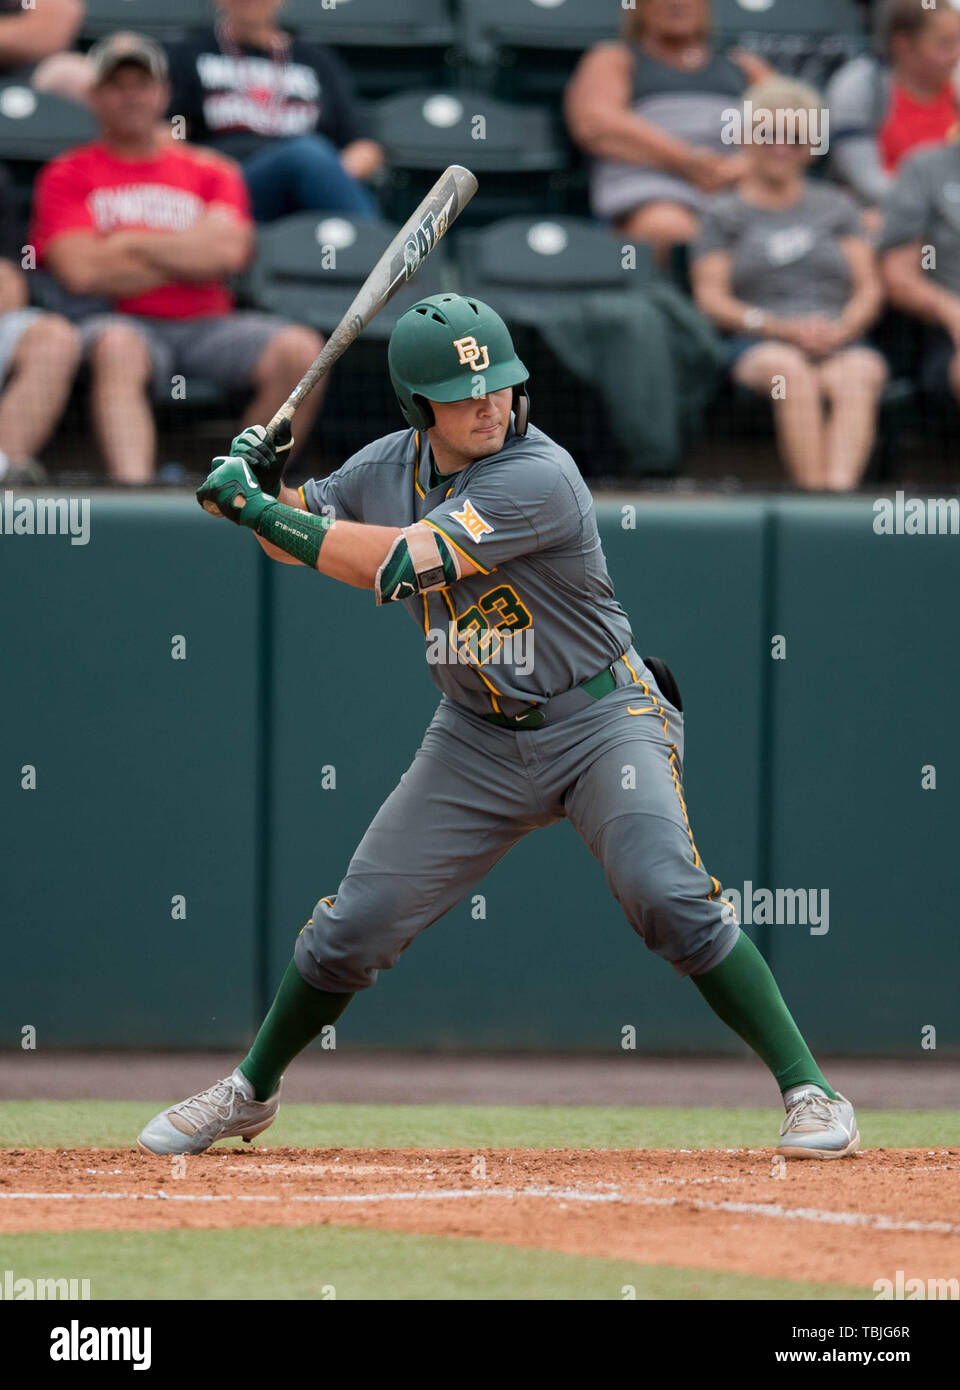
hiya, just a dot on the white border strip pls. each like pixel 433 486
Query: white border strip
pixel 768 1209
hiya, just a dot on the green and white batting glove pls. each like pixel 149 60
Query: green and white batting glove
pixel 267 459
pixel 232 491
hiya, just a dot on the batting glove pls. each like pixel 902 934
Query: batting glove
pixel 267 459
pixel 232 491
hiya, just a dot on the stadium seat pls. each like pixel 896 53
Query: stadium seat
pixel 513 149
pixel 787 16
pixel 527 48
pixel 808 39
pixel 520 266
pixel 386 44
pixel 371 22
pixel 530 258
pixel 37 126
pixel 310 266
pixel 164 19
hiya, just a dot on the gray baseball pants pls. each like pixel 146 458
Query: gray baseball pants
pixel 473 790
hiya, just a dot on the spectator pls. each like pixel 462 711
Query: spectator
pixel 920 261
pixel 157 228
pixel 280 105
pixel 649 110
pixel 781 264
pixel 33 40
pixel 883 108
pixel 39 354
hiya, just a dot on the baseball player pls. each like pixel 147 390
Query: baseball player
pixel 482 528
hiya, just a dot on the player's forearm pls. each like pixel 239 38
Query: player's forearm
pixel 290 497
pixel 346 550
pixel 353 552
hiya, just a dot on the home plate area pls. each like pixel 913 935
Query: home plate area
pixel 741 1210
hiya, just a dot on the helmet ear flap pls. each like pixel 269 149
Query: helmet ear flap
pixel 521 408
pixel 420 413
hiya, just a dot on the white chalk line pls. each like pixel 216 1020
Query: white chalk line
pixel 772 1210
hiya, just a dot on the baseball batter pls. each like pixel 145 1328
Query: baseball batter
pixel 482 528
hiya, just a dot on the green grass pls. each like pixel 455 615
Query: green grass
pixel 303 1263
pixel 115 1124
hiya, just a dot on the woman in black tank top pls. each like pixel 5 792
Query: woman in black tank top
pixel 648 111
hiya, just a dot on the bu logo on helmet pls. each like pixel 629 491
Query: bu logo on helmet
pixel 471 354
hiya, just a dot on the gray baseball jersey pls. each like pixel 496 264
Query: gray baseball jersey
pixel 541 616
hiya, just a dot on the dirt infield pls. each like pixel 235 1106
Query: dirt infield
pixel 849 1222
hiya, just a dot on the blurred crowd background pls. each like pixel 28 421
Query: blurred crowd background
pixel 191 192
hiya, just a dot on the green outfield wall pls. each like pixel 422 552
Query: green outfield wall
pixel 210 733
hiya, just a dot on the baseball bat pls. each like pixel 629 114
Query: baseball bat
pixel 398 264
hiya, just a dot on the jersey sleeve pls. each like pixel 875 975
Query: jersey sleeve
pixel 512 508
pixel 59 205
pixel 338 496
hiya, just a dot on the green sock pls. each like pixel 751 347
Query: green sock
pixel 742 992
pixel 297 1015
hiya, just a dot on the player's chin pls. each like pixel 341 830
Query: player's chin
pixel 486 444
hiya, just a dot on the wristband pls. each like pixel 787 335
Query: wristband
pixel 300 534
pixel 754 319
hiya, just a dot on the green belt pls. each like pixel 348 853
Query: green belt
pixel 597 686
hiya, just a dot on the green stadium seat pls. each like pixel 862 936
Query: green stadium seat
pixel 527 49
pixel 520 266
pixel 309 267
pixel 295 275
pixel 788 16
pixel 530 259
pixel 365 23
pixel 515 152
pixel 808 39
pixel 36 126
pixel 387 44
pixel 164 19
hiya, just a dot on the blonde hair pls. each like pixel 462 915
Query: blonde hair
pixel 783 94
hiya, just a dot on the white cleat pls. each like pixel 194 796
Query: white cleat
pixel 225 1110
pixel 816 1126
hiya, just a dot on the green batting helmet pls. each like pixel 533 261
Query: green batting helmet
pixel 439 348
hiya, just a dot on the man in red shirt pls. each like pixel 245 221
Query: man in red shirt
pixel 157 226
